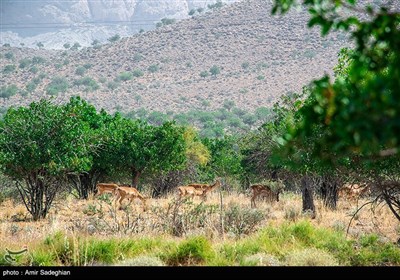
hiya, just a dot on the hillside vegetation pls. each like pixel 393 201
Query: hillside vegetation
pixel 238 52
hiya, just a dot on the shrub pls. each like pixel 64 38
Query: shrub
pixel 204 74
pixel 24 63
pixel 8 91
pixel 137 73
pixel 9 68
pixel 240 220
pixel 215 70
pixel 114 38
pixel 57 85
pixel 191 251
pixel 153 68
pixel 38 60
pixel 9 55
pixel 310 257
pixel 125 76
pixel 80 70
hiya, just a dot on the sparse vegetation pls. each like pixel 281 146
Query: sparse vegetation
pixel 57 85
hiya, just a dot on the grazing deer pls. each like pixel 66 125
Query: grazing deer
pixel 353 191
pixel 130 193
pixel 106 188
pixel 189 191
pixel 201 189
pixel 263 191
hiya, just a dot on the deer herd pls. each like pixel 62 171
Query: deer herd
pixel 121 192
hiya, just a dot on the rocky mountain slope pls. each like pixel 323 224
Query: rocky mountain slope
pixel 29 23
pixel 236 53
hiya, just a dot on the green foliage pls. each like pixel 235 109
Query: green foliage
pixel 245 65
pixel 167 21
pixel 240 220
pixel 215 70
pixel 310 257
pixel 192 12
pixel 8 91
pixel 137 73
pixel 112 85
pixel 216 5
pixel 67 45
pixel 153 68
pixel 9 68
pixel 25 62
pixel 9 55
pixel 125 76
pixel 33 69
pixel 114 38
pixel 196 152
pixel 359 113
pixel 89 83
pixel 31 86
pixel 40 45
pixel 38 60
pixel 195 250
pixel 80 70
pixel 136 147
pixel 75 46
pixel 57 85
pixel 225 156
pixel 44 142
pixel 204 74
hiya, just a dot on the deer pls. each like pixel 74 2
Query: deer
pixel 263 191
pixel 106 188
pixel 353 191
pixel 125 191
pixel 200 189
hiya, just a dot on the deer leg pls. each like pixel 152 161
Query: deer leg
pixel 253 202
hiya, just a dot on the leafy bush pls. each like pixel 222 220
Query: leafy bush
pixel 9 68
pixel 125 76
pixel 57 85
pixel 80 70
pixel 240 220
pixel 8 91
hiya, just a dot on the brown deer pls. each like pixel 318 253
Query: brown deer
pixel 125 191
pixel 106 188
pixel 189 191
pixel 353 191
pixel 203 189
pixel 263 191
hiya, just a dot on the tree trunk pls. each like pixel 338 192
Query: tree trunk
pixel 329 192
pixel 135 177
pixel 307 195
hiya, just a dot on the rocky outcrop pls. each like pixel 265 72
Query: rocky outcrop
pixel 56 22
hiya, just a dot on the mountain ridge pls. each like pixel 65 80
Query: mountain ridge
pixel 256 57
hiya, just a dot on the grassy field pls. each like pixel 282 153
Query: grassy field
pixel 175 233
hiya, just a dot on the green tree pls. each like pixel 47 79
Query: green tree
pixel 137 147
pixel 84 181
pixel 225 158
pixel 39 145
pixel 358 114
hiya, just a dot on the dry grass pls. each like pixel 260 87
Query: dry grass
pixel 167 216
